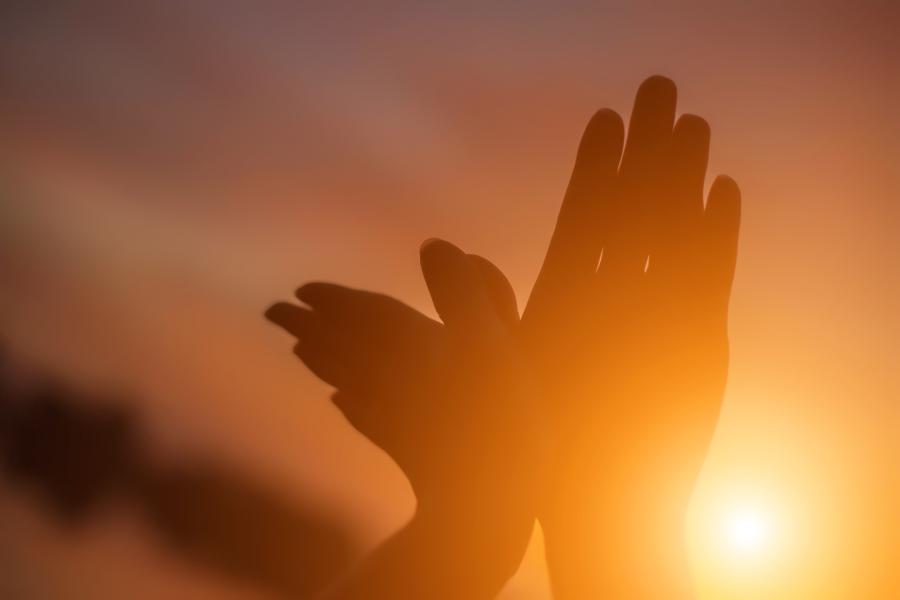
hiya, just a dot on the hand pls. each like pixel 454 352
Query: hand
pixel 447 403
pixel 633 359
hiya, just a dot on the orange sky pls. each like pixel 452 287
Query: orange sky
pixel 168 170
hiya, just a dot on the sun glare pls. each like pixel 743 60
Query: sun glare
pixel 739 534
pixel 747 531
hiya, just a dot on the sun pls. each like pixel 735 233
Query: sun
pixel 747 531
pixel 739 534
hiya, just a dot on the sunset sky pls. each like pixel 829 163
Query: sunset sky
pixel 167 169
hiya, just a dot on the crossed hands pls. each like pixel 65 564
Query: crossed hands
pixel 591 413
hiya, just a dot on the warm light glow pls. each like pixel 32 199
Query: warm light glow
pixel 747 531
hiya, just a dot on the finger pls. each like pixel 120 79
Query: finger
pixel 372 337
pixel 351 310
pixel 721 224
pixel 577 239
pixel 689 157
pixel 676 212
pixel 458 294
pixel 318 347
pixel 649 134
pixel 650 126
pixel 328 298
pixel 499 290
pixel 360 311
pixel 296 320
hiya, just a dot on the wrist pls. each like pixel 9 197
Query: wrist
pixel 613 538
pixel 485 521
pixel 440 554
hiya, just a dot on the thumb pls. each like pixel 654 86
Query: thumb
pixel 499 290
pixel 458 292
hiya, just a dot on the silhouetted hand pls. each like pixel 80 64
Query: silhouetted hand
pixel 626 332
pixel 633 359
pixel 449 403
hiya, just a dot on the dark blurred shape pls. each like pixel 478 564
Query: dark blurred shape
pixel 78 456
pixel 219 520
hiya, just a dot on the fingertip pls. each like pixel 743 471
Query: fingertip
pixel 428 242
pixel 722 224
pixel 692 125
pixel 606 120
pixel 308 292
pixel 437 245
pixel 435 252
pixel 660 88
pixel 727 186
pixel 296 320
pixel 317 293
pixel 723 207
pixel 457 291
pixel 602 139
pixel 650 125
pixel 277 312
pixel 724 195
